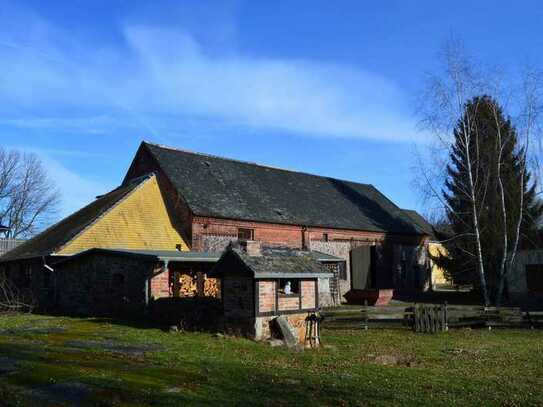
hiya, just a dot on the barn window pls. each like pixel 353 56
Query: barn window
pixel 284 288
pixel 325 237
pixel 534 277
pixel 246 234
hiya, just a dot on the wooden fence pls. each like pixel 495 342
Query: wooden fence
pixel 7 244
pixel 430 318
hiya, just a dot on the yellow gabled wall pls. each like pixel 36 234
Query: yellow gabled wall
pixel 139 221
pixel 437 250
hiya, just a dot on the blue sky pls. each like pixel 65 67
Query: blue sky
pixel 318 86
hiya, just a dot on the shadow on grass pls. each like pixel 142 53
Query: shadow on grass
pixel 110 381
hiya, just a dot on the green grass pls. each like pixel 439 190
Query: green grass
pixel 462 367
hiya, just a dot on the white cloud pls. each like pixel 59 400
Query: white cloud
pixel 160 71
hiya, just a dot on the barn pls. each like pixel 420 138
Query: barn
pixel 177 211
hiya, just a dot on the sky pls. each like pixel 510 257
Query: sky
pixel 317 86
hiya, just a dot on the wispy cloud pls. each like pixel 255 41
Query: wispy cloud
pixel 159 72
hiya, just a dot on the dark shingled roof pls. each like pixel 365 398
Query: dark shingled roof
pixel 51 239
pixel 422 224
pixel 225 188
pixel 276 263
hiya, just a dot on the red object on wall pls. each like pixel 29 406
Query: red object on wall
pixel 372 296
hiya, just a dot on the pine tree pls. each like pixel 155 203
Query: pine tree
pixel 485 117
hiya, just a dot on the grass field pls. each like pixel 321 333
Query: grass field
pixel 55 360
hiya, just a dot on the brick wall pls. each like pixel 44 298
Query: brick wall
pixel 160 283
pixel 288 303
pixel 308 294
pixel 266 296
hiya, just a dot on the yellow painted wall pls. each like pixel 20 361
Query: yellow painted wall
pixel 138 221
pixel 437 250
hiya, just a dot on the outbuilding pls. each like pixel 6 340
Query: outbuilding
pixel 260 284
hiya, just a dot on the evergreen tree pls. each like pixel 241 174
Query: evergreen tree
pixel 485 119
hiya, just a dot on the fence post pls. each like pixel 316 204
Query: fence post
pixel 445 317
pixel 415 318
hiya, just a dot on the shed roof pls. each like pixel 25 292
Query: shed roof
pixel 276 263
pixel 225 188
pixel 56 236
pixel 152 255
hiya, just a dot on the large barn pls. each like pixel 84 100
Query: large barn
pixel 177 211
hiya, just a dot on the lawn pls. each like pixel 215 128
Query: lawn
pixel 54 360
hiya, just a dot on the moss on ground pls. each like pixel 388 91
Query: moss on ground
pixel 356 367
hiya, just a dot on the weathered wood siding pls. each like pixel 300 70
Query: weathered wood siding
pixel 139 221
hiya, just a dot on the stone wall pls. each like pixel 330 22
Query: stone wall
pixel 102 285
pixel 341 250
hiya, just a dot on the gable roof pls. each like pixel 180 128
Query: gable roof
pixel 274 263
pixel 56 236
pixel 225 188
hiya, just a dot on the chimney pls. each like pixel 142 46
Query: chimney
pixel 252 247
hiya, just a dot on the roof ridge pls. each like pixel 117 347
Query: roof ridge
pixel 163 146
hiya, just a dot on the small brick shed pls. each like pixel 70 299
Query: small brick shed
pixel 254 293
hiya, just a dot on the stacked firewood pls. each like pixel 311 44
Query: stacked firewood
pixel 188 285
pixel 212 287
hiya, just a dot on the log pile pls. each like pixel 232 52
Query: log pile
pixel 212 287
pixel 188 285
pixel 196 285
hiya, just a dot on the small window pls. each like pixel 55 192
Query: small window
pixel 246 234
pixel 534 277
pixel 289 286
pixel 325 237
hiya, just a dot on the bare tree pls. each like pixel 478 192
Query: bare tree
pixel 442 109
pixel 452 101
pixel 28 197
pixel 12 299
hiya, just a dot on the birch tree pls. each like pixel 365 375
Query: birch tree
pixel 477 170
